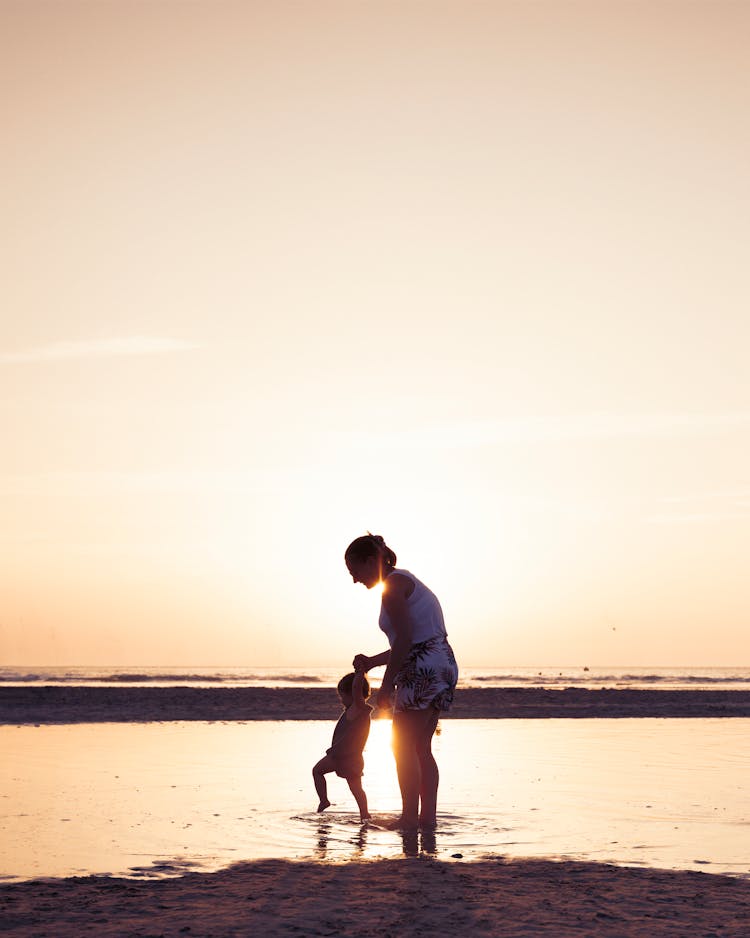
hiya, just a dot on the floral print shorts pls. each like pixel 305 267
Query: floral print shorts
pixel 428 677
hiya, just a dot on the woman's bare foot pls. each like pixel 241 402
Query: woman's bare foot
pixel 401 825
pixel 325 803
pixel 427 824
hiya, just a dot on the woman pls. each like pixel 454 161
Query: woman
pixel 420 675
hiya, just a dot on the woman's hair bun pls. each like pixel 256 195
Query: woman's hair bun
pixel 370 545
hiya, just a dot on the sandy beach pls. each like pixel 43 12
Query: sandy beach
pixel 79 704
pixel 407 897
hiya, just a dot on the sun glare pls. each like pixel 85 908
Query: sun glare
pixel 380 768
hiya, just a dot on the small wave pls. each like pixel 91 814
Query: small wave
pixel 22 678
pixel 171 677
pixel 537 679
pixel 152 678
pixel 292 678
pixel 117 678
pixel 595 679
pixel 682 678
pixel 135 677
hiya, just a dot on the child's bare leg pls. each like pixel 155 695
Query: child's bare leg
pixel 355 786
pixel 319 771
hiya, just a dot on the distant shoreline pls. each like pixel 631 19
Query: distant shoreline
pixel 79 704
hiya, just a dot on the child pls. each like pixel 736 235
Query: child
pixel 349 737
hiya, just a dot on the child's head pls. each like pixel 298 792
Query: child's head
pixel 345 686
pixel 367 558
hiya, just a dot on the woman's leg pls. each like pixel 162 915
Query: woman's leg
pixel 407 768
pixel 415 765
pixel 430 776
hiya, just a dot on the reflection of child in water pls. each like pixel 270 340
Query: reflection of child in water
pixel 349 737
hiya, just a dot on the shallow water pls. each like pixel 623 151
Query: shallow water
pixel 158 799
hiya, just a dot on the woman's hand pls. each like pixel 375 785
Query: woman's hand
pixel 384 698
pixel 365 663
pixel 362 663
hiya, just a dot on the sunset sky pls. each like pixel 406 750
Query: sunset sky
pixel 473 276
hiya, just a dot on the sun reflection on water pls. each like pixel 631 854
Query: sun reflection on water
pixel 157 799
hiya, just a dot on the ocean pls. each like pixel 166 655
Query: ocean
pixel 695 678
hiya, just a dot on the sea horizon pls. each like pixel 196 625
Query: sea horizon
pixel 553 677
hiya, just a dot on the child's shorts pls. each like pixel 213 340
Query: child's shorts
pixel 351 768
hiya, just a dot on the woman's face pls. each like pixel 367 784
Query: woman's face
pixel 365 571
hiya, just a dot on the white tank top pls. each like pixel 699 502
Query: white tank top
pixel 424 611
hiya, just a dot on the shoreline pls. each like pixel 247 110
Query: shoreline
pixel 408 896
pixel 85 704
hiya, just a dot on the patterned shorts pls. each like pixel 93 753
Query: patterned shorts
pixel 428 677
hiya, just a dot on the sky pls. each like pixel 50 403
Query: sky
pixel 470 275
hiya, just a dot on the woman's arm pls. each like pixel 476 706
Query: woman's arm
pixel 363 663
pixel 395 593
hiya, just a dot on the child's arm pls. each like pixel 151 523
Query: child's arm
pixel 359 703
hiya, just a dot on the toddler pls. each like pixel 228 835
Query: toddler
pixel 344 757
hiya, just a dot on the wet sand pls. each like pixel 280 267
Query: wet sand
pixel 79 704
pixel 403 897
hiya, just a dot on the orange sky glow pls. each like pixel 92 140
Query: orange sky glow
pixel 469 275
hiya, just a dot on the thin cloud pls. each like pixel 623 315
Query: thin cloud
pixel 167 481
pixel 98 348
pixel 740 495
pixel 702 507
pixel 703 517
pixel 538 429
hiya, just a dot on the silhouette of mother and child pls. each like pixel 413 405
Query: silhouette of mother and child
pixel 418 684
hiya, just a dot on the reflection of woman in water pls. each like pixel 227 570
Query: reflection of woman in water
pixel 420 674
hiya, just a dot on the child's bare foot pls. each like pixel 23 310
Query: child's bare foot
pixel 325 803
pixel 365 817
pixel 427 824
